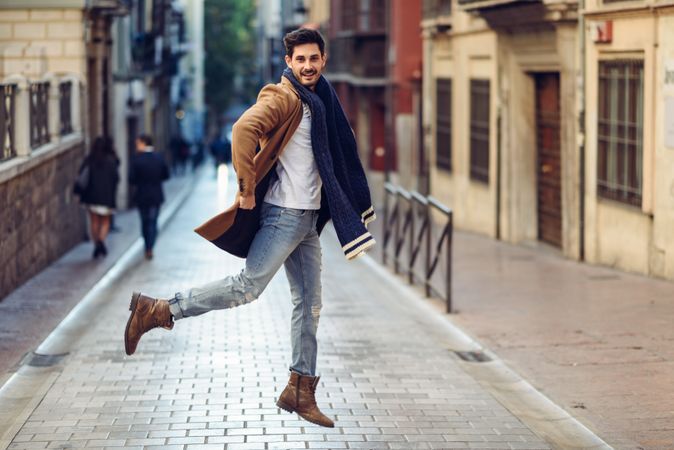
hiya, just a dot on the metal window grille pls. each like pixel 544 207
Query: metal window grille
pixel 350 14
pixel 376 13
pixel 364 15
pixel 375 61
pixel 39 114
pixel 443 124
pixel 65 98
pixel 620 130
pixel 7 120
pixel 479 130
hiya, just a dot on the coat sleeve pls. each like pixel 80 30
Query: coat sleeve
pixel 165 175
pixel 132 172
pixel 267 113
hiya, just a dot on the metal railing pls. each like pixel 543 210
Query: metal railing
pixel 409 223
pixel 8 121
pixel 39 113
pixel 65 101
pixel 431 9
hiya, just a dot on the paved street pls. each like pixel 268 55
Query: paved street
pixel 388 376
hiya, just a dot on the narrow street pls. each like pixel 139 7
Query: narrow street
pixel 388 376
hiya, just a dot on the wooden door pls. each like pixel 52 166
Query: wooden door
pixel 549 164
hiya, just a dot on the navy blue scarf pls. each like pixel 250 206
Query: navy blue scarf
pixel 336 155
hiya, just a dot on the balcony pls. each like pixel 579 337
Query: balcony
pixel 434 9
pixel 436 16
pixel 359 62
pixel 115 7
pixel 512 13
pixel 477 5
pixel 363 18
pixel 146 53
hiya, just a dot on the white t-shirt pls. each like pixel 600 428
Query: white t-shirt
pixel 298 185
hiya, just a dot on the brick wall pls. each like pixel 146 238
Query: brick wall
pixel 36 40
pixel 40 219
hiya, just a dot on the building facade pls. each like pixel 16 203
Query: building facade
pixel 72 70
pixel 629 110
pixel 357 68
pixel 547 123
pixel 43 70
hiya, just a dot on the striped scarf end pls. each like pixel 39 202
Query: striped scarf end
pixel 359 246
pixel 368 216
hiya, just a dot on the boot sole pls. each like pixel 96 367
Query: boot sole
pixel 132 308
pixel 285 407
pixel 291 410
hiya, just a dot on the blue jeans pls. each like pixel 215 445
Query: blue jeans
pixel 148 224
pixel 286 237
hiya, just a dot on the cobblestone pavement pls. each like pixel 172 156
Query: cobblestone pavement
pixel 212 382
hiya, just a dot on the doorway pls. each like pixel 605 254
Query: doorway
pixel 549 187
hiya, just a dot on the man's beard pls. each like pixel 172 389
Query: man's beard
pixel 302 80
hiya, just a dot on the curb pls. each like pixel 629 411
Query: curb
pixel 545 418
pixel 25 389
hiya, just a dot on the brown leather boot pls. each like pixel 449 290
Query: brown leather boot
pixel 146 313
pixel 299 397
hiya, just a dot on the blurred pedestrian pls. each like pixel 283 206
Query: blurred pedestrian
pixel 147 172
pixel 221 149
pixel 180 153
pixel 99 190
pixel 306 172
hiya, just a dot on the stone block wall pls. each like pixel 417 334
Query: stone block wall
pixel 33 41
pixel 40 218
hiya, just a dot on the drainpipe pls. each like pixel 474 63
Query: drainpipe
pixel 581 129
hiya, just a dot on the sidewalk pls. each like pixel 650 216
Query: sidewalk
pixel 389 376
pixel 30 312
pixel 597 341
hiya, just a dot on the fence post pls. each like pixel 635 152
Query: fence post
pixel 21 119
pixel 385 224
pixel 429 229
pixel 396 233
pixel 410 269
pixel 54 108
pixel 448 286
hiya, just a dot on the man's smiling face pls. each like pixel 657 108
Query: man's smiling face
pixel 307 63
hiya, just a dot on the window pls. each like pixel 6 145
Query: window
pixel 443 124
pixel 620 130
pixel 479 130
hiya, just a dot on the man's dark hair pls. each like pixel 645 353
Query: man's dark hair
pixel 303 36
pixel 145 139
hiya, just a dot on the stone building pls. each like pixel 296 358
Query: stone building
pixel 629 139
pixel 43 68
pixel 547 123
pixel 357 69
pixel 71 70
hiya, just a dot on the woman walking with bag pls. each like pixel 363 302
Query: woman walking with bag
pixel 99 191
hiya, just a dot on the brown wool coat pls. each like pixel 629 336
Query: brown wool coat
pixel 270 122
